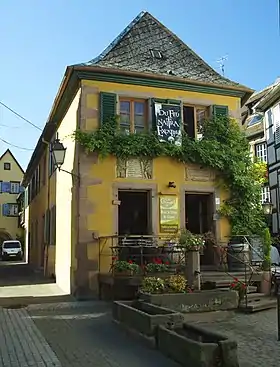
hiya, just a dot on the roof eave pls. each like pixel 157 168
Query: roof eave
pixel 269 99
pixel 160 77
pixel 46 133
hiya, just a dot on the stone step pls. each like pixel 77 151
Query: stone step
pixel 251 289
pixel 261 305
pixel 254 297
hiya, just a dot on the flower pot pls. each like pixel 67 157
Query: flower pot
pixel 157 274
pixel 124 273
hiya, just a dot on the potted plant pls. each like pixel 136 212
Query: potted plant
pixel 157 266
pixel 239 287
pixel 122 267
pixel 191 241
pixel 173 292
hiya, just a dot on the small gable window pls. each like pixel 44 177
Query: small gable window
pixel 7 166
pixel 156 54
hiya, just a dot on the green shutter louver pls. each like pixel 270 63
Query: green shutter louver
pixel 219 110
pixel 107 109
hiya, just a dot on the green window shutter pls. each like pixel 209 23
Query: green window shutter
pixel 108 102
pixel 219 110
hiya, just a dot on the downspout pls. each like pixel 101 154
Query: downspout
pixel 46 244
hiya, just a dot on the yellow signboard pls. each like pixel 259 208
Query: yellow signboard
pixel 169 214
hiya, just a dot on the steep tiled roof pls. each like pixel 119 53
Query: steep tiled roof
pixel 131 51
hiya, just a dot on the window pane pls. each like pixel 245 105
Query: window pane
pixel 139 121
pixel 261 152
pixel 139 129
pixel 200 118
pixel 139 116
pixel 125 113
pixel 125 119
pixel 139 108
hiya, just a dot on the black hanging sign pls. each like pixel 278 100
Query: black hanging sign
pixel 168 123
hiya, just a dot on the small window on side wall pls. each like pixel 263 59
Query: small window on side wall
pixel 7 166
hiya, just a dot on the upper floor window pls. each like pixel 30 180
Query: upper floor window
pixel 133 115
pixel 265 194
pixel 10 210
pixel 15 187
pixel 194 118
pixel 7 166
pixel 261 152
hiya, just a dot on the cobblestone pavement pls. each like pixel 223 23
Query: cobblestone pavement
pixel 85 336
pixel 256 335
pixel 21 344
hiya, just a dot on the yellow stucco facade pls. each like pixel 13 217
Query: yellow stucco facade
pixel 83 199
pixel 84 207
pixel 9 223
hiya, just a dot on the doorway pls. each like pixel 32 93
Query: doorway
pixel 199 219
pixel 134 212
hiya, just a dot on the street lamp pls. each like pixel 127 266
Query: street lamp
pixel 267 211
pixel 58 153
pixel 267 207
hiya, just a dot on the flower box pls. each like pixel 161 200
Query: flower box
pixel 194 346
pixel 143 318
pixel 200 301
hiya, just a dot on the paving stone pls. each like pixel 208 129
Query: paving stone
pixel 21 343
pixel 256 335
pixel 85 336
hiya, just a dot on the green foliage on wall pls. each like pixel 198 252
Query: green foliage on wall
pixel 266 249
pixel 223 148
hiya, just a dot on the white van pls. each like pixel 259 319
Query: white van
pixel 11 249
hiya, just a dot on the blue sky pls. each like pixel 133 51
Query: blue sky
pixel 40 38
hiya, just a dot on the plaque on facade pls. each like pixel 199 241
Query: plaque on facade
pixel 134 168
pixel 198 173
pixel 168 123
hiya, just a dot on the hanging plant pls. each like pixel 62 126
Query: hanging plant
pixel 223 148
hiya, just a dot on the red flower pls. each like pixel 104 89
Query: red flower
pixel 130 261
pixel 159 261
pixel 166 262
pixel 236 279
pixel 233 285
pixel 114 258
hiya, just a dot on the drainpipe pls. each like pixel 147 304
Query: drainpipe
pixel 47 243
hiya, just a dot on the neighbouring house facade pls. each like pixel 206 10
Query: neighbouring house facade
pixel 146 73
pixel 253 122
pixel 11 175
pixel 270 106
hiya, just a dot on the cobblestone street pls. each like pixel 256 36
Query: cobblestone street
pixel 82 334
pixel 70 337
pixel 256 335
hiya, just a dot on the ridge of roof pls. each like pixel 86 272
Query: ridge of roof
pixel 8 151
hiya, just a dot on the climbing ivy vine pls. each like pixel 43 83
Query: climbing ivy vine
pixel 224 147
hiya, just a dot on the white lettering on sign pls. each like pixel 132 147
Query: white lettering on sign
pixel 168 123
